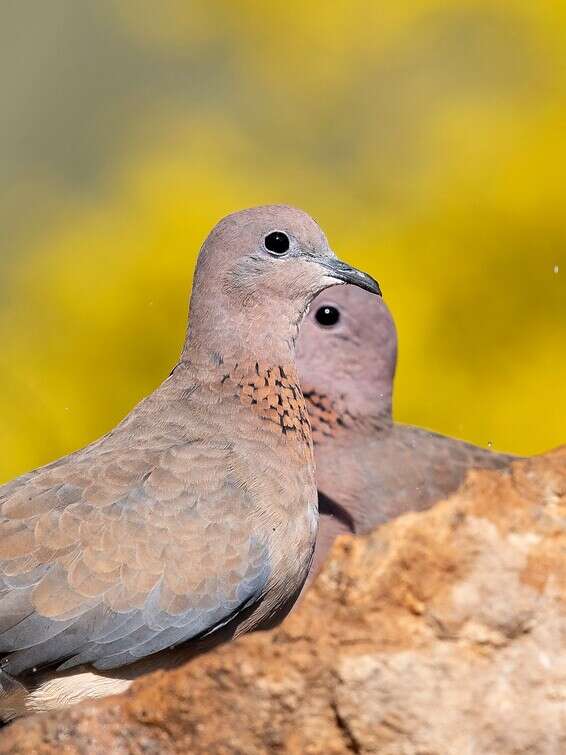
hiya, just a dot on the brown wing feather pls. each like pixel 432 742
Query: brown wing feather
pixel 119 539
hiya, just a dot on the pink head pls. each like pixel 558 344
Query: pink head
pixel 256 275
pixel 347 354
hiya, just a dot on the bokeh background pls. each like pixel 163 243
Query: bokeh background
pixel 428 138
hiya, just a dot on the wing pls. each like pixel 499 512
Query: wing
pixel 108 559
pixel 445 461
pixel 413 468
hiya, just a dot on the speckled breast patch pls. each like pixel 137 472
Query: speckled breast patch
pixel 274 394
pixel 326 419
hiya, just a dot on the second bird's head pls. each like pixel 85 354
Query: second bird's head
pixel 264 265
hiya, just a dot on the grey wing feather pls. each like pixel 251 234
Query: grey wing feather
pixel 108 559
pixel 412 468
pixel 446 461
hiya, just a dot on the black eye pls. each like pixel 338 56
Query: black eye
pixel 327 316
pixel 277 242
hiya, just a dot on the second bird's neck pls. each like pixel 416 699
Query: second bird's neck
pixel 335 420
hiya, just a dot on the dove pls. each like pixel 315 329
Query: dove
pixel 369 469
pixel 192 521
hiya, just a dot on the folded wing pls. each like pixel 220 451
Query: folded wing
pixel 110 556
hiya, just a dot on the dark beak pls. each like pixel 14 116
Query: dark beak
pixel 343 272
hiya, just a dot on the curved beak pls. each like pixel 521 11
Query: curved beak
pixel 347 274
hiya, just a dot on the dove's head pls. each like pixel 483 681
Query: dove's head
pixel 347 353
pixel 258 271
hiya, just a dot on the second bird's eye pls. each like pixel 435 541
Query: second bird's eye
pixel 277 242
pixel 327 316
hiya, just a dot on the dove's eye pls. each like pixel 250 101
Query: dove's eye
pixel 277 242
pixel 327 316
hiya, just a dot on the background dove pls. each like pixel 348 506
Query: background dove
pixel 368 468
pixel 195 518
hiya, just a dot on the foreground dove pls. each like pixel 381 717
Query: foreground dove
pixel 369 469
pixel 195 518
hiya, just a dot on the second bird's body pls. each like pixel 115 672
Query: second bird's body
pixel 370 468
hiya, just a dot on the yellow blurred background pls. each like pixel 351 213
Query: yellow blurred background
pixel 428 138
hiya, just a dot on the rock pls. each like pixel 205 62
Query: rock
pixel 443 632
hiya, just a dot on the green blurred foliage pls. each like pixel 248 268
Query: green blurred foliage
pixel 428 138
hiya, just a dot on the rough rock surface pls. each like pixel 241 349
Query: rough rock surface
pixel 443 632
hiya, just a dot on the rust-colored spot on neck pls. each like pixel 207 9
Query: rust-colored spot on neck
pixel 327 419
pixel 274 394
pixel 330 417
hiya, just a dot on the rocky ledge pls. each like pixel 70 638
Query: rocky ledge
pixel 443 632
